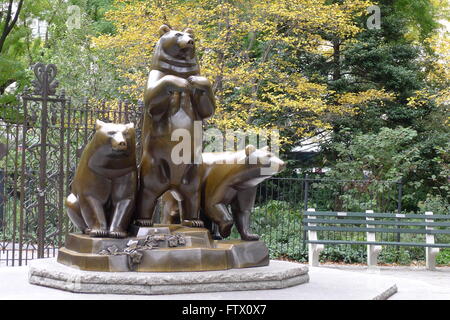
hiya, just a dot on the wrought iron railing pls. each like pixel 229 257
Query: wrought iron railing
pixel 41 140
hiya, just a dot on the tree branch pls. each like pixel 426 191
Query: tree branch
pixel 9 26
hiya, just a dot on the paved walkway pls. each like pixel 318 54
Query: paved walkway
pixel 414 283
pixel 335 282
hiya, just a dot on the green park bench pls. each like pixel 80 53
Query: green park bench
pixel 372 223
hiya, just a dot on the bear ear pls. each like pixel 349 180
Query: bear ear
pixel 99 124
pixel 163 30
pixel 189 30
pixel 130 125
pixel 249 149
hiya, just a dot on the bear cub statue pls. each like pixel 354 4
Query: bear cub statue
pixel 229 179
pixel 103 190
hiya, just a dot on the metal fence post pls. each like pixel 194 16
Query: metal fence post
pixel 399 207
pixel 44 86
pixel 305 207
pixel 2 198
pixel 43 161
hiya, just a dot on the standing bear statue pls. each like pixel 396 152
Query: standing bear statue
pixel 176 99
pixel 103 190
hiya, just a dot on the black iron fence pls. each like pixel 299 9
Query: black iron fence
pixel 280 203
pixel 42 138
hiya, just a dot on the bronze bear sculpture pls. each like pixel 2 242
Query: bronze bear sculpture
pixel 176 96
pixel 103 190
pixel 229 178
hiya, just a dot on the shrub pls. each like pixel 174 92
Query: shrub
pixel 443 257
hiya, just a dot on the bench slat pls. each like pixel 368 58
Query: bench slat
pixel 377 222
pixel 385 230
pixel 379 243
pixel 377 215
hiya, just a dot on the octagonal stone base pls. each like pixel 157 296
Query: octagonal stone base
pixel 277 275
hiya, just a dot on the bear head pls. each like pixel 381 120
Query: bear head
pixel 175 52
pixel 119 138
pixel 269 163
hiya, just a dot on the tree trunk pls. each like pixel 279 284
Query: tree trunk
pixel 9 25
pixel 336 59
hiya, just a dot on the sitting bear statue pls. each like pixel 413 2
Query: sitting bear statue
pixel 103 190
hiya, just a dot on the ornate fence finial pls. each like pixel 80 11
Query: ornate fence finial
pixel 45 83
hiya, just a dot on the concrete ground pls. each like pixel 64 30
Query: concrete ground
pixel 333 282
pixel 414 283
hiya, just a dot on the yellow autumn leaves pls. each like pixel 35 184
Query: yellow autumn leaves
pixel 249 50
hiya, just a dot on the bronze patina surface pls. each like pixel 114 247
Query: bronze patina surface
pixel 229 178
pixel 107 196
pixel 195 252
pixel 103 191
pixel 175 97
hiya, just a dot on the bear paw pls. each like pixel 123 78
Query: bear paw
pixel 118 234
pixel 193 223
pixel 144 222
pixel 249 237
pixel 98 233
pixel 216 237
pixel 225 229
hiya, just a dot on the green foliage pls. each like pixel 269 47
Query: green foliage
pixel 443 257
pixel 83 71
pixel 387 155
pixel 419 15
pixel 394 155
pixel 19 50
pixel 345 254
pixel 436 204
pixel 392 255
pixel 401 139
pixel 278 224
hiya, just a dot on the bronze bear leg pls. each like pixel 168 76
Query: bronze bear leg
pixel 190 210
pixel 154 182
pixel 147 200
pixel 219 214
pixel 190 193
pixel 189 190
pixel 122 214
pixel 123 201
pixel 241 207
pixel 94 216
pixel 171 212
pixel 74 213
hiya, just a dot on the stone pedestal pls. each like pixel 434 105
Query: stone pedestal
pixel 172 248
pixel 277 275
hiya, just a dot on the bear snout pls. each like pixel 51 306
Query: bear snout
pixel 119 144
pixel 186 43
pixel 277 163
pixel 282 165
